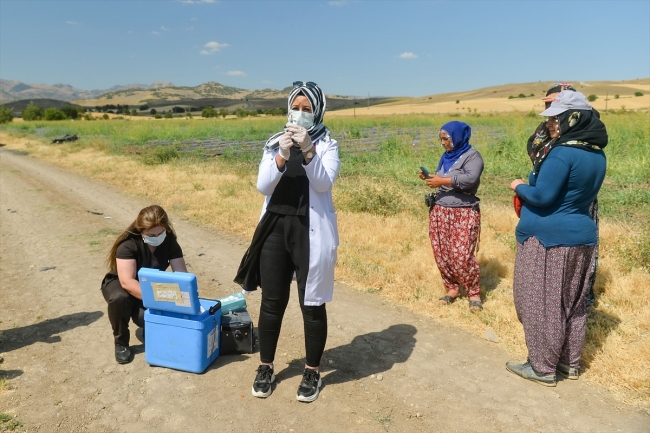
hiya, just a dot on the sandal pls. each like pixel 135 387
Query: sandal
pixel 447 299
pixel 475 306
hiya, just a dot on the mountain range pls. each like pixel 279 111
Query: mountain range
pixel 11 90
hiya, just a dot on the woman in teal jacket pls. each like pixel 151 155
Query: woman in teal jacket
pixel 556 240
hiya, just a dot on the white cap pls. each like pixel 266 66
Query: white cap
pixel 566 100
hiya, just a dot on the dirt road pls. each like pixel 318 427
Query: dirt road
pixel 384 368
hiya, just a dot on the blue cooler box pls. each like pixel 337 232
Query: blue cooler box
pixel 182 330
pixel 183 342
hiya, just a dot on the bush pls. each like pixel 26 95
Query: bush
pixel 54 114
pixel 592 98
pixel 157 116
pixel 617 96
pixel 32 112
pixel 208 112
pixel 160 155
pixel 144 107
pixel 638 93
pixel 134 112
pixel 521 95
pixel 70 111
pixel 105 116
pixel 223 112
pixel 168 115
pixel 153 112
pixel 6 115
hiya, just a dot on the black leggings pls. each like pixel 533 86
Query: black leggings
pixel 122 307
pixel 287 250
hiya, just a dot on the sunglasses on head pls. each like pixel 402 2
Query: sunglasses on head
pixel 301 83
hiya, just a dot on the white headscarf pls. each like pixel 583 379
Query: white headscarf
pixel 317 100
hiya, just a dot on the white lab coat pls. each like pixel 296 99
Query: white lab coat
pixel 323 228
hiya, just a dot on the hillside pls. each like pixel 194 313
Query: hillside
pixel 611 95
pixel 18 106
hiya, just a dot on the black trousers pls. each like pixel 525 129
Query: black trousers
pixel 122 307
pixel 284 251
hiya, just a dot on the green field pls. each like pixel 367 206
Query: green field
pixel 624 196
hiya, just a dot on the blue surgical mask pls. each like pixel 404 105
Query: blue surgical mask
pixel 155 241
pixel 301 118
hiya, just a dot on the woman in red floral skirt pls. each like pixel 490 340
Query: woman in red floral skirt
pixel 455 217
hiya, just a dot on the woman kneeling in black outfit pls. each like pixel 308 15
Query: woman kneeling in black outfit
pixel 149 242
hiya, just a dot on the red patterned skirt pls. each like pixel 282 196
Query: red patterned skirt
pixel 454 233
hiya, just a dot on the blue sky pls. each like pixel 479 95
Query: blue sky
pixel 380 48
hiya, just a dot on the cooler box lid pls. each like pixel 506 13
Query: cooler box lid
pixel 176 292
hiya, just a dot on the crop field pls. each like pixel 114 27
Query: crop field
pixel 206 170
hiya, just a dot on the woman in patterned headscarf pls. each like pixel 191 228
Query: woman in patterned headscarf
pixel 455 218
pixel 538 147
pixel 556 240
pixel 297 235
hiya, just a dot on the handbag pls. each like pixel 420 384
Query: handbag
pixel 517 202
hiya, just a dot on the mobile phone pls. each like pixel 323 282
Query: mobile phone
pixel 425 172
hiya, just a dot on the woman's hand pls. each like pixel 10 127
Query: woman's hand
pixel 285 146
pixel 300 136
pixel 436 181
pixel 515 183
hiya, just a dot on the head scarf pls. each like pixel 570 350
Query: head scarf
pixel 582 129
pixel 540 139
pixel 460 133
pixel 317 100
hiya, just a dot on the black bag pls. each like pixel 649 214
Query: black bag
pixel 237 332
pixel 430 199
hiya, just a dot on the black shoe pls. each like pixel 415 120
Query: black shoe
pixel 122 355
pixel 568 371
pixel 309 387
pixel 263 380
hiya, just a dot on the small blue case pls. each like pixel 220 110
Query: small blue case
pixel 232 302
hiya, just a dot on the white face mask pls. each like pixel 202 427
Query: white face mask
pixel 300 118
pixel 154 241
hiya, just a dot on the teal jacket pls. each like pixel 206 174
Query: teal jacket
pixel 557 199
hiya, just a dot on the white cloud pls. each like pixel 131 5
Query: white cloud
pixel 212 47
pixel 337 3
pixel 164 28
pixel 266 82
pixel 408 55
pixel 155 33
pixel 236 73
pixel 72 23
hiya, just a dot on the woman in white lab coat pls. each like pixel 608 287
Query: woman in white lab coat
pixel 297 235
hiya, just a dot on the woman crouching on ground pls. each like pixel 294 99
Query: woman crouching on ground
pixel 455 218
pixel 297 234
pixel 149 242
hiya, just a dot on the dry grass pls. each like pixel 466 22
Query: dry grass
pixel 391 256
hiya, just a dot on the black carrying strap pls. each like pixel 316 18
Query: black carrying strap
pixel 216 307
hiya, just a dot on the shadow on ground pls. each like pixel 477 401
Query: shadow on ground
pixel 45 331
pixel 367 354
